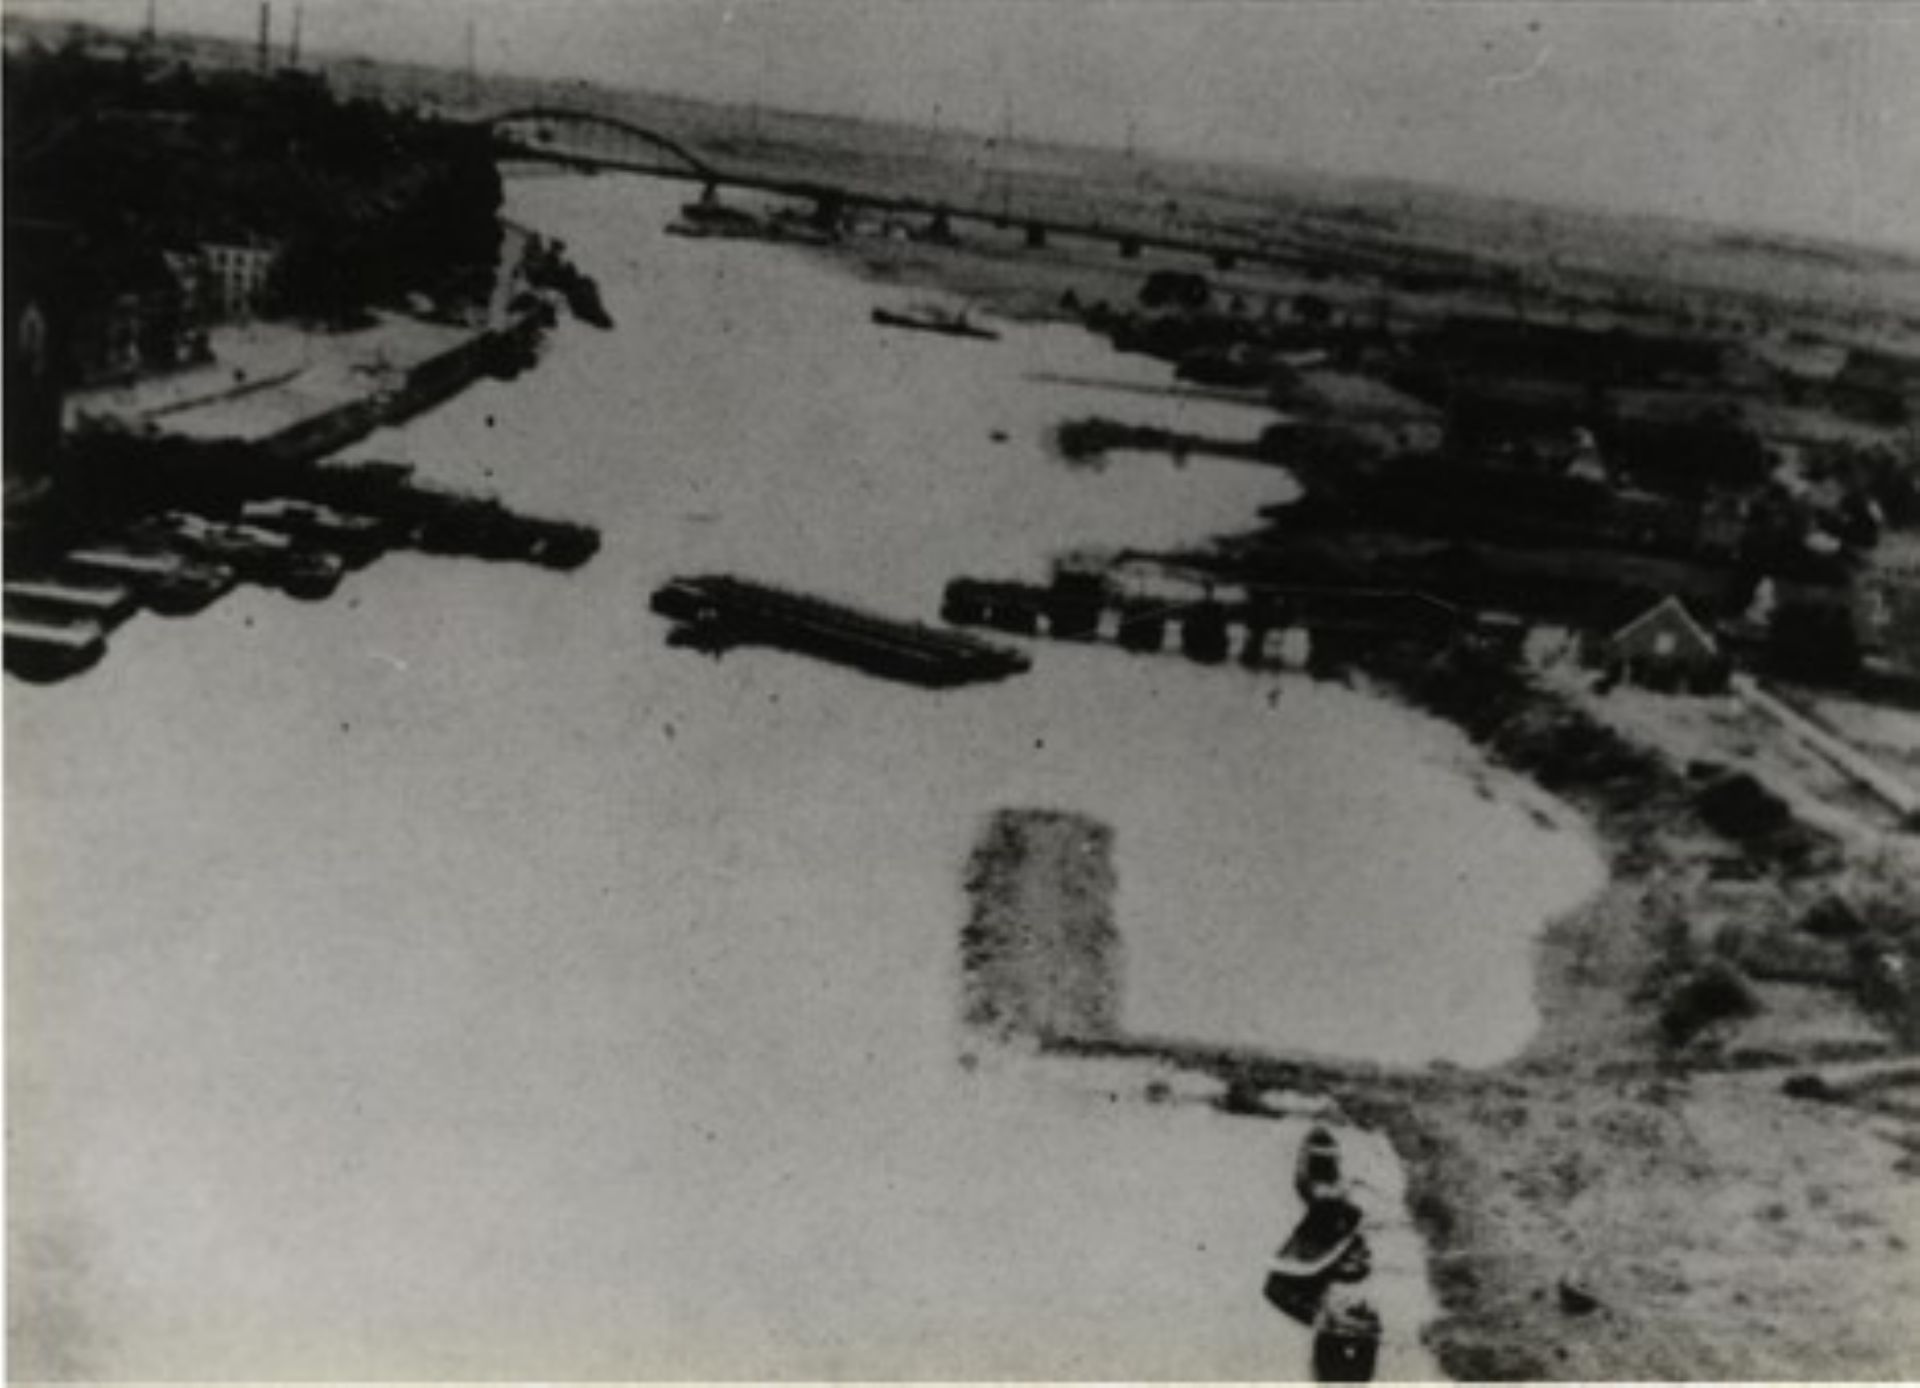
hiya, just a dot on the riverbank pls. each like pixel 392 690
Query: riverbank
pixel 1646 1150
pixel 668 976
pixel 290 395
pixel 1644 1193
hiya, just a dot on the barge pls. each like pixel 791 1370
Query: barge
pixel 169 583
pixel 357 539
pixel 106 602
pixel 934 320
pixel 260 556
pixel 718 612
pixel 42 650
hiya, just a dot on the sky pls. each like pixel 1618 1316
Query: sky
pixel 1788 115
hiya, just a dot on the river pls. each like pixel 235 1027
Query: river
pixel 453 981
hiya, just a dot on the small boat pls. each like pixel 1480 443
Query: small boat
pixel 1346 1342
pixel 700 220
pixel 311 574
pixel 169 583
pixel 1316 1171
pixel 260 556
pixel 934 320
pixel 105 601
pixel 42 650
pixel 1324 1247
pixel 1319 1239
pixel 562 544
pixel 193 587
pixel 1356 1264
pixel 1232 367
pixel 357 539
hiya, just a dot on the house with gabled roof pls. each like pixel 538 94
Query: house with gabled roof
pixel 1665 648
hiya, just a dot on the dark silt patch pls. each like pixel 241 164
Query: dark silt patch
pixel 1040 956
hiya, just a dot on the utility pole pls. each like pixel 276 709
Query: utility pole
pixel 266 30
pixel 293 48
pixel 153 22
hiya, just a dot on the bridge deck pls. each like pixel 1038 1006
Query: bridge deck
pixel 688 166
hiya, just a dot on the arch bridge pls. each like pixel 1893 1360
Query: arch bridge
pixel 586 139
pixel 590 139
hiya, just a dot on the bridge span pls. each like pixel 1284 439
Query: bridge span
pixel 592 140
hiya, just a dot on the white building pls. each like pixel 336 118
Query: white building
pixel 241 275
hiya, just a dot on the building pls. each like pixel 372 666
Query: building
pixel 38 364
pixel 240 276
pixel 1665 648
pixel 132 316
pixel 1881 387
pixel 1887 608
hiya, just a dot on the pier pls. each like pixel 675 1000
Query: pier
pixel 1269 628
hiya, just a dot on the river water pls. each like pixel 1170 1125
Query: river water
pixel 453 981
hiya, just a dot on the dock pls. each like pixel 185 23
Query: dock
pixel 718 612
pixel 1264 628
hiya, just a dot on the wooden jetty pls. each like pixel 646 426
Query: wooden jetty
pixel 716 612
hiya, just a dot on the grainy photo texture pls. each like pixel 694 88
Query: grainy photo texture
pixel 713 689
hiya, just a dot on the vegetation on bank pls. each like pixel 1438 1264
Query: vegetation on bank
pixel 1681 1010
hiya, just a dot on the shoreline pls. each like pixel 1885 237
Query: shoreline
pixel 328 425
pixel 1602 1105
pixel 1570 1197
pixel 1601 1091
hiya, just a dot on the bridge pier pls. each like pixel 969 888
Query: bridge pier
pixel 1225 260
pixel 1129 248
pixel 1036 236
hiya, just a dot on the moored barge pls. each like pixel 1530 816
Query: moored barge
pixel 934 320
pixel 168 583
pixel 42 649
pixel 718 611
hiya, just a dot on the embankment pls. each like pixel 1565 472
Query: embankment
pixel 500 351
pixel 114 473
